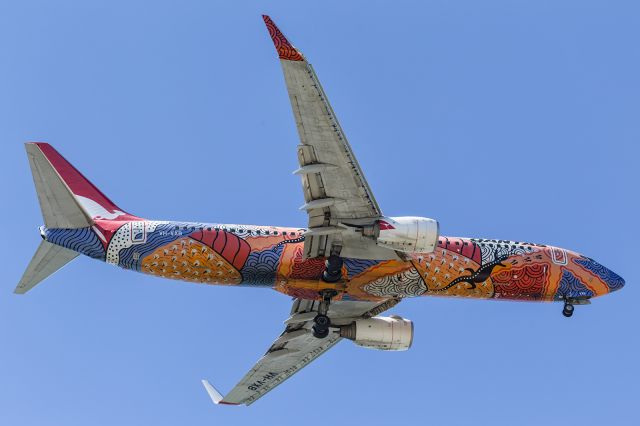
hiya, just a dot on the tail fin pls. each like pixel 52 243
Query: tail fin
pixel 47 260
pixel 67 198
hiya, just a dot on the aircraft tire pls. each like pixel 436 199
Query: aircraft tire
pixel 321 326
pixel 568 310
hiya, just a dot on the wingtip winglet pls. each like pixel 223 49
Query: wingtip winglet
pixel 215 396
pixel 285 49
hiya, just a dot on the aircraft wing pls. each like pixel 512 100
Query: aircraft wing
pixel 295 348
pixel 337 195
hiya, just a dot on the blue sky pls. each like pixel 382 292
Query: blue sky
pixel 501 119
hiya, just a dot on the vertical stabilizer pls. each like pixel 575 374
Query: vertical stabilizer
pixel 67 198
pixel 57 203
pixel 47 260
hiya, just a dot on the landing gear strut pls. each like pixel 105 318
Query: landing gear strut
pixel 332 273
pixel 567 311
pixel 321 321
pixel 333 269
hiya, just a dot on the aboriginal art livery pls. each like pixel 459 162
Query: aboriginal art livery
pixel 260 256
pixel 350 264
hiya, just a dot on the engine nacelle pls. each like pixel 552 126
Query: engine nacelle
pixel 408 234
pixel 392 333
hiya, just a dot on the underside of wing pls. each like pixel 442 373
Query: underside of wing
pixel 338 199
pixel 48 259
pixel 294 349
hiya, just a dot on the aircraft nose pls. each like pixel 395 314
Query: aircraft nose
pixel 611 279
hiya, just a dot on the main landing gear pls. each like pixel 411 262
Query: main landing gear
pixel 333 269
pixel 332 274
pixel 321 322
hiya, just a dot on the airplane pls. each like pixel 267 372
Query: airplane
pixel 348 266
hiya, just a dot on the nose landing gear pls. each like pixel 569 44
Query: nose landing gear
pixel 571 302
pixel 567 311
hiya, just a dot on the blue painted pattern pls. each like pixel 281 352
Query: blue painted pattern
pixel 357 266
pixel 571 287
pixel 613 280
pixel 82 240
pixel 260 267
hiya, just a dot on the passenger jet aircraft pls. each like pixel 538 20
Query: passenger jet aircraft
pixel 350 264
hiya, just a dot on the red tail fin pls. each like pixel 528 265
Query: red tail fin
pixel 95 204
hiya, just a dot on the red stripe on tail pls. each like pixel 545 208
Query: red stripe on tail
pixel 92 200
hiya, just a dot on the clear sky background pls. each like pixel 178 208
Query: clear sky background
pixel 501 119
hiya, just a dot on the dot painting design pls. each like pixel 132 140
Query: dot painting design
pixel 123 238
pixel 190 260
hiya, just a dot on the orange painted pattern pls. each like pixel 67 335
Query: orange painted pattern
pixel 189 260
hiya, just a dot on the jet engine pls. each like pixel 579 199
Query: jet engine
pixel 392 333
pixel 408 234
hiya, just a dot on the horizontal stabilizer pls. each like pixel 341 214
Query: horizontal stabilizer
pixel 47 260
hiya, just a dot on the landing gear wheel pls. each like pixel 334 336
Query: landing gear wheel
pixel 321 326
pixel 568 310
pixel 333 269
pixel 322 322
